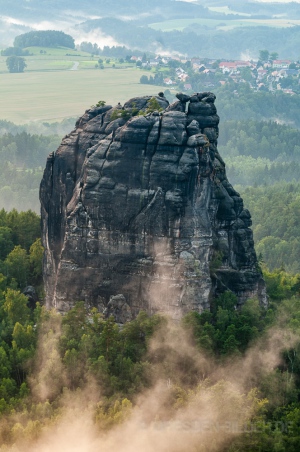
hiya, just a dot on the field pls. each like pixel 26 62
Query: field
pixel 212 24
pixel 49 91
pixel 57 59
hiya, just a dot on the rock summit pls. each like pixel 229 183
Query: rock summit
pixel 138 214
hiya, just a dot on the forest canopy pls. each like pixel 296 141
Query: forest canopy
pixel 47 38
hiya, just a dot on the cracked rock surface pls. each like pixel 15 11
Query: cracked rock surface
pixel 137 213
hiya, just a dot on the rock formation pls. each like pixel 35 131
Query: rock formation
pixel 137 212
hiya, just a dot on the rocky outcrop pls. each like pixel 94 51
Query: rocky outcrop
pixel 32 297
pixel 137 212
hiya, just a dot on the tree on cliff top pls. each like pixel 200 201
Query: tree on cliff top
pixel 47 38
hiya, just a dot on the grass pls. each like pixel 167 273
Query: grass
pixel 61 58
pixel 57 52
pixel 47 64
pixel 88 64
pixel 55 59
pixel 49 91
pixel 53 96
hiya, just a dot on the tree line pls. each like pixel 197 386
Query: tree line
pixel 44 38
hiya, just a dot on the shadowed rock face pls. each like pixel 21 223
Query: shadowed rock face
pixel 138 213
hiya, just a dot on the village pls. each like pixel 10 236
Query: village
pixel 265 74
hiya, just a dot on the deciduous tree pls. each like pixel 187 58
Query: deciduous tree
pixel 15 63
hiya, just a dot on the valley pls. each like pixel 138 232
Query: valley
pixel 149 226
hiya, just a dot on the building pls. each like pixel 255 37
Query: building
pixel 281 64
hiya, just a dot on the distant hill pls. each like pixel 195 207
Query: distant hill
pixel 117 8
pixel 47 38
pixel 138 8
pixel 131 24
pixel 197 40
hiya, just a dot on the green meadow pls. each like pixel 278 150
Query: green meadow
pixel 49 90
pixel 61 58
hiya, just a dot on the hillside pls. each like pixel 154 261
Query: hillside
pixel 208 30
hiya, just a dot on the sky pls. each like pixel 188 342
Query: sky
pixel 278 1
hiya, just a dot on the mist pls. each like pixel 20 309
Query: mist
pixel 12 27
pixel 194 403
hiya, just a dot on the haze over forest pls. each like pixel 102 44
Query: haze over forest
pixel 212 29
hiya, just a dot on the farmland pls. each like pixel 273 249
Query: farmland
pixel 50 91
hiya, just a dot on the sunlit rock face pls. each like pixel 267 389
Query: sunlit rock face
pixel 138 214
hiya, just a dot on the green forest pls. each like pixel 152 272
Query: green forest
pixel 242 104
pixel 47 38
pixel 275 213
pixel 259 141
pixel 23 156
pixel 105 371
pixel 23 152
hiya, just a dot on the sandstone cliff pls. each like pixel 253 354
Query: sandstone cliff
pixel 137 212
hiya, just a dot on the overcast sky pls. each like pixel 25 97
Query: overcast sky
pixel 278 1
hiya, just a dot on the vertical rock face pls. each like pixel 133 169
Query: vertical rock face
pixel 137 212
